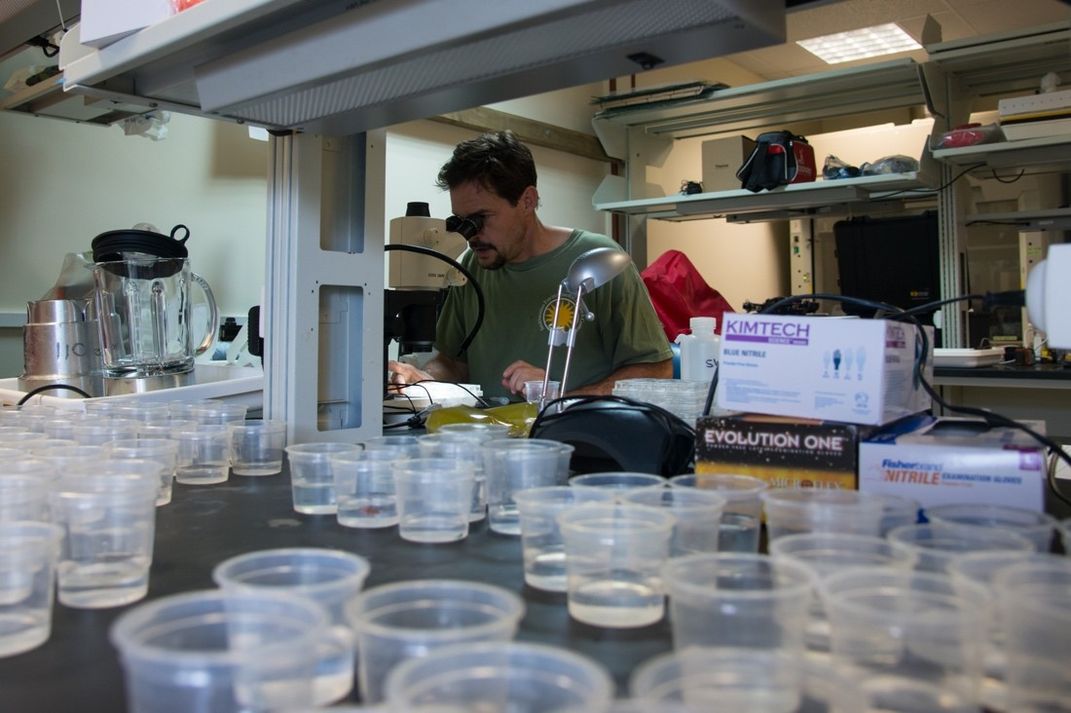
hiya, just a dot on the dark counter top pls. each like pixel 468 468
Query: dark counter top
pixel 77 669
pixel 1041 372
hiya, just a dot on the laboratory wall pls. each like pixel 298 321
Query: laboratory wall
pixel 61 184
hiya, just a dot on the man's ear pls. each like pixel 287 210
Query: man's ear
pixel 530 199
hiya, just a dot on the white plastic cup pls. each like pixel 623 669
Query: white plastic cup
pixel 1033 602
pixel 209 651
pixel 28 553
pixel 108 516
pixel 257 447
pixel 434 499
pixel 160 450
pixel 405 620
pixel 737 599
pixel 500 676
pixel 613 553
pixel 511 466
pixel 741 520
pixel 1036 526
pixel 920 625
pixel 312 480
pixel 204 455
pixel 938 544
pixel 331 578
pixel 795 511
pixel 365 494
pixel 698 514
pixel 541 539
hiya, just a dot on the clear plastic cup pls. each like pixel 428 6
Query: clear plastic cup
pixel 741 520
pixel 901 694
pixel 533 391
pixel 896 511
pixel 207 651
pixel 434 498
pixel 63 458
pixel 108 516
pixel 1033 602
pixel 27 576
pixel 100 431
pixel 698 516
pixel 541 539
pixel 163 451
pixel 18 437
pixel 938 544
pixel 613 553
pixel 826 553
pixel 481 431
pixel 204 454
pixel 511 466
pixel 40 447
pixel 24 496
pixel 257 447
pixel 184 410
pixel 742 679
pixel 144 412
pixel 919 625
pixel 400 446
pixel 1036 526
pixel 500 676
pixel 405 620
pixel 463 450
pixel 364 488
pixel 63 426
pixel 312 480
pixel 329 577
pixel 218 412
pixel 164 430
pixel 622 483
pixel 795 511
pixel 737 599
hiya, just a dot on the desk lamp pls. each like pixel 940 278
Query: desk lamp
pixel 589 271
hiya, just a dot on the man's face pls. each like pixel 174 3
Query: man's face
pixel 501 240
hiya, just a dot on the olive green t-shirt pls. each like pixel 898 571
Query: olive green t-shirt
pixel 520 307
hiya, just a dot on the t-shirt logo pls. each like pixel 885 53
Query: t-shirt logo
pixel 565 317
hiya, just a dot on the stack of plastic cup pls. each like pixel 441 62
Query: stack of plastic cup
pixel 1037 527
pixel 738 600
pixel 219 651
pixel 936 545
pixel 108 515
pixel 511 466
pixel 257 447
pixel 795 511
pixel 500 676
pixel 1033 602
pixel 27 579
pixel 741 520
pixel 905 623
pixel 311 478
pixel 541 539
pixel 406 620
pixel 434 498
pixel 613 554
pixel 365 494
pixel 329 577
pixel 698 515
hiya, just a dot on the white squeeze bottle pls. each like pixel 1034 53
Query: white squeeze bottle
pixel 699 350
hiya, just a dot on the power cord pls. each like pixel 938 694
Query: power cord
pixel 52 387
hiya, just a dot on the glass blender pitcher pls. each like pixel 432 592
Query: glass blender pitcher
pixel 143 285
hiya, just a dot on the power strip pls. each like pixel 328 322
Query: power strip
pixel 1036 104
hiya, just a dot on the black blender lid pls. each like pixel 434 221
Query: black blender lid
pixel 115 244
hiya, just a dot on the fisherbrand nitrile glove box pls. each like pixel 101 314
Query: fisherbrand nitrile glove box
pixel 953 460
pixel 829 368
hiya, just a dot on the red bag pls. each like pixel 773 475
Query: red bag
pixel 679 293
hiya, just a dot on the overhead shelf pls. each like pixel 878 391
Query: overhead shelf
pixel 1048 153
pixel 841 92
pixel 829 197
pixel 1048 219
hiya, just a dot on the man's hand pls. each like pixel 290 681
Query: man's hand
pixel 406 373
pixel 517 373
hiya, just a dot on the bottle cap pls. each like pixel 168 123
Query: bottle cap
pixel 703 326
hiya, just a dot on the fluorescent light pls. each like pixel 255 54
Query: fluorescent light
pixel 860 44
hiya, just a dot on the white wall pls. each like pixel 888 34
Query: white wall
pixel 61 184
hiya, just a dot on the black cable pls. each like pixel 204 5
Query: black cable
pixel 667 418
pixel 952 180
pixel 479 399
pixel 480 304
pixel 1022 172
pixel 52 387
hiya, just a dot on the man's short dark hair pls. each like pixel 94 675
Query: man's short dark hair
pixel 497 161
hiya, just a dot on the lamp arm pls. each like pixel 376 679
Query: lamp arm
pixel 571 340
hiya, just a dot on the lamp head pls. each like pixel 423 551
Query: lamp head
pixel 595 268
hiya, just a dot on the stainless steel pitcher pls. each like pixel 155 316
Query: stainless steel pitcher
pixel 61 346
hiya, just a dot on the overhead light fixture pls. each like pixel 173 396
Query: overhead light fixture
pixel 860 44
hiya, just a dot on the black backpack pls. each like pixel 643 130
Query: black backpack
pixel 772 163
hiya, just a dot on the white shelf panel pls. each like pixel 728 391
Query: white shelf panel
pixel 794 197
pixel 1048 153
pixel 1051 219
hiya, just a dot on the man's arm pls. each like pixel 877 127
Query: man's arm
pixel 605 387
pixel 439 368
